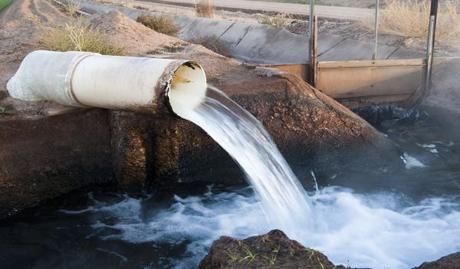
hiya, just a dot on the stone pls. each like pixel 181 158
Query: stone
pixel 451 261
pixel 272 250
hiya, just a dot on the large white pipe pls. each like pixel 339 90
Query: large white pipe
pixel 84 79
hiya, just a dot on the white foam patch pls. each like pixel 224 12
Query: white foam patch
pixel 411 162
pixel 378 231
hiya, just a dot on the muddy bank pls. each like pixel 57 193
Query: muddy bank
pixel 67 149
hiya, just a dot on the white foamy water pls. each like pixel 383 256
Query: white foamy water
pixel 371 231
pixel 375 230
pixel 243 137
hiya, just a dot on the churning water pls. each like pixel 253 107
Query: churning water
pixel 354 230
pixel 378 229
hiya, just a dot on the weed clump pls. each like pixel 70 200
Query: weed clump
pixel 279 20
pixel 71 7
pixel 76 36
pixel 160 24
pixel 204 8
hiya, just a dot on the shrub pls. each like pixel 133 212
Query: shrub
pixel 410 18
pixel 161 24
pixel 75 36
pixel 279 20
pixel 71 7
pixel 204 8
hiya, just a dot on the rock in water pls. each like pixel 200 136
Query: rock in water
pixel 451 261
pixel 272 250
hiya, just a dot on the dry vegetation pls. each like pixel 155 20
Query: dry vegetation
pixel 410 18
pixel 160 24
pixel 279 20
pixel 204 8
pixel 76 36
pixel 71 7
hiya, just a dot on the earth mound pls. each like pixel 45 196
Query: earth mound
pixel 134 37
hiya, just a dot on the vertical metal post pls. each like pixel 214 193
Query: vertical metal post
pixel 314 51
pixel 312 14
pixel 424 90
pixel 376 29
pixel 311 34
pixel 430 45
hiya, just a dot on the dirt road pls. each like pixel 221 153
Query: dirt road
pixel 331 12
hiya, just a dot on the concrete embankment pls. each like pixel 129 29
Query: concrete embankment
pixel 262 44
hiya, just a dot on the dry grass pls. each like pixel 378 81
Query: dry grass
pixel 75 36
pixel 410 18
pixel 204 8
pixel 71 7
pixel 161 24
pixel 279 20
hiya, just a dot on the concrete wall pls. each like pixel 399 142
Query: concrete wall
pixel 42 158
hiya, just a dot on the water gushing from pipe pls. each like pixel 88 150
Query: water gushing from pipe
pixel 283 199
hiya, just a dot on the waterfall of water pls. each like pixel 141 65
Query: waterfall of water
pixel 283 199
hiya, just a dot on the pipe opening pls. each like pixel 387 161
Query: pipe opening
pixel 188 88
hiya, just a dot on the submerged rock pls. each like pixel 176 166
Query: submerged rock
pixel 451 261
pixel 272 250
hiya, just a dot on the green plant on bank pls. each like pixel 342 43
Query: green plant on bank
pixel 76 36
pixel 233 258
pixel 410 18
pixel 161 24
pixel 278 20
pixel 4 4
pixel 250 256
pixel 273 257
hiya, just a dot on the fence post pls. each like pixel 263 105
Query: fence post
pixel 312 45
pixel 376 29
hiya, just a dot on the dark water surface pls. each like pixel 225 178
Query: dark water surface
pixel 411 216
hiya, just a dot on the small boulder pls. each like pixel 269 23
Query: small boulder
pixel 272 250
pixel 451 261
